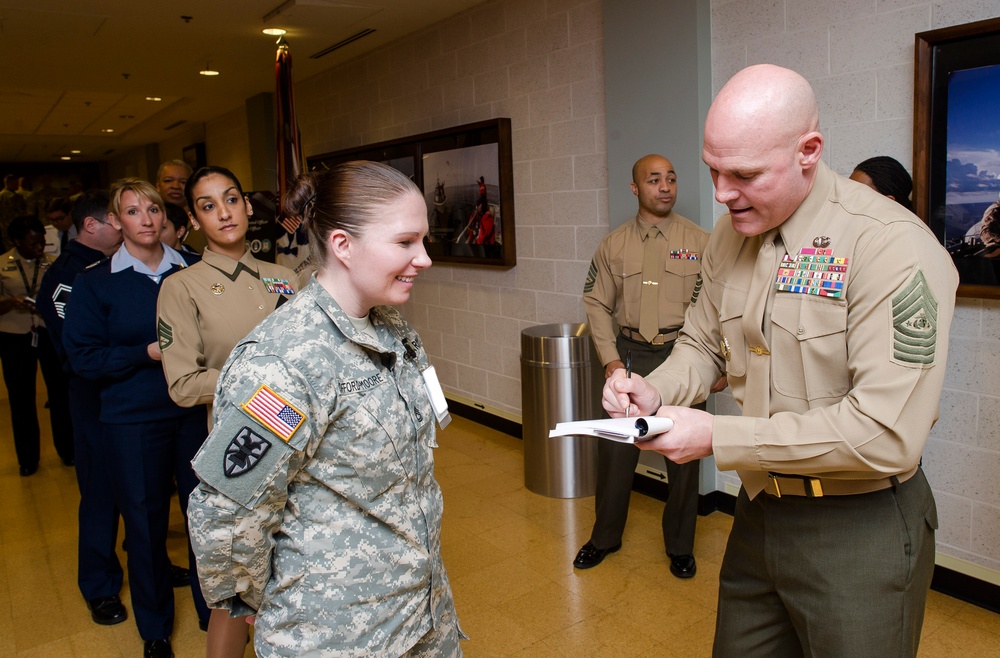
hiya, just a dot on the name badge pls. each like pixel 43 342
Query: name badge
pixel 438 403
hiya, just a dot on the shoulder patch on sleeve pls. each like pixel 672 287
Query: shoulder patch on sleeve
pixel 165 334
pixel 244 451
pixel 588 285
pixel 274 412
pixel 914 324
pixel 697 290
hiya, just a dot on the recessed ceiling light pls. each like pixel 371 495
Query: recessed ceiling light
pixel 274 31
pixel 155 99
pixel 107 130
pixel 126 116
pixel 208 70
pixel 64 157
pixel 76 151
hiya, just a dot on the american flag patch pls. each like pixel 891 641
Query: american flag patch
pixel 274 412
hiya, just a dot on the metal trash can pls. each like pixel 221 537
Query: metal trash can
pixel 561 380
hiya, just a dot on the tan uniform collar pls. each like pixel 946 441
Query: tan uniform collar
pixel 798 231
pixel 232 268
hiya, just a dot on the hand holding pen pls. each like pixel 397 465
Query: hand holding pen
pixel 628 374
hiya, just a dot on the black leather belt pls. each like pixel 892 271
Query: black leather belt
pixel 664 336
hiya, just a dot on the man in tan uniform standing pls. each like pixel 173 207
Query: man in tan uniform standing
pixel 828 305
pixel 640 282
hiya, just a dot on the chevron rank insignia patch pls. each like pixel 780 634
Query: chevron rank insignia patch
pixel 914 324
pixel 165 333
pixel 244 452
pixel 697 290
pixel 588 285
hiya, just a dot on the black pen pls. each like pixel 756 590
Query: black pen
pixel 628 373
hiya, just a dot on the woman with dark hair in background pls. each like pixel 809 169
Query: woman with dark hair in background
pixel 318 511
pixel 25 344
pixel 205 310
pixel 110 337
pixel 887 177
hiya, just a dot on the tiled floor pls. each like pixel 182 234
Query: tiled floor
pixel 508 551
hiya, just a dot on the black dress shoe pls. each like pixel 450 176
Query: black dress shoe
pixel 591 556
pixel 28 470
pixel 683 566
pixel 157 649
pixel 179 576
pixel 107 610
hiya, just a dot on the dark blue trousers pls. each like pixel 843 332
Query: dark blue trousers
pixel 99 572
pixel 20 361
pixel 145 459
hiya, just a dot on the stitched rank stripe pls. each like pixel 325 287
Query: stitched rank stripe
pixel 812 272
pixel 684 254
pixel 274 412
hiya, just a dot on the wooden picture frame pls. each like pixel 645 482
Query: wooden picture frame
pixel 955 119
pixel 466 175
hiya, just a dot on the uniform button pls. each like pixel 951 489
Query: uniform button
pixel 261 307
pixel 801 330
pixel 250 287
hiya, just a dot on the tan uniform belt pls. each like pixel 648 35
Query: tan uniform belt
pixel 780 485
pixel 665 336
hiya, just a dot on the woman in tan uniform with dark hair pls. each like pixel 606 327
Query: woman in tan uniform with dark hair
pixel 205 312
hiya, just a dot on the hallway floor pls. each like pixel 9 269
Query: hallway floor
pixel 508 551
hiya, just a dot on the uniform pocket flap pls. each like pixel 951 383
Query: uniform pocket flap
pixel 811 318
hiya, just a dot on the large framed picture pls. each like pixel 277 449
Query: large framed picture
pixel 956 148
pixel 466 175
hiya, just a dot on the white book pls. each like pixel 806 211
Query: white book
pixel 623 430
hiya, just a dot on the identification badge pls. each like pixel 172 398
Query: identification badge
pixel 438 403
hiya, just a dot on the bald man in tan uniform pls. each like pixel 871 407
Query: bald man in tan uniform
pixel 616 294
pixel 828 305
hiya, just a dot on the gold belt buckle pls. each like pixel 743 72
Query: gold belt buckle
pixel 812 487
pixel 657 340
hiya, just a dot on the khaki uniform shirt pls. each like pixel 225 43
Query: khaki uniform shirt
pixel 855 380
pixel 613 288
pixel 20 277
pixel 204 310
pixel 318 507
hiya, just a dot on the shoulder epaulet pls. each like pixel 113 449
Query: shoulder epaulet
pixel 96 263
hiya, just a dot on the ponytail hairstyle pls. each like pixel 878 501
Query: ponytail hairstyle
pixel 889 178
pixel 349 196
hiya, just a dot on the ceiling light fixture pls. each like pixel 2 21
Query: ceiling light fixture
pixel 208 70
pixel 64 157
pixel 76 151
pixel 107 130
pixel 155 99
pixel 274 31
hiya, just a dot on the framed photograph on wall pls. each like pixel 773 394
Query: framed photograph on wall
pixel 466 175
pixel 956 148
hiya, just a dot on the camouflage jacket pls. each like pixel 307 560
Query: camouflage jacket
pixel 318 510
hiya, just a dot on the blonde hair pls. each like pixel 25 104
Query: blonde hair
pixel 139 186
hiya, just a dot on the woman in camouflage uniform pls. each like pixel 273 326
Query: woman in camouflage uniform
pixel 318 512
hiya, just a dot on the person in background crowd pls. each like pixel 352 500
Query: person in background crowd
pixel 61 228
pixel 11 205
pixel 110 338
pixel 25 345
pixel 322 444
pixel 99 573
pixel 887 177
pixel 175 229
pixel 204 311
pixel 171 179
